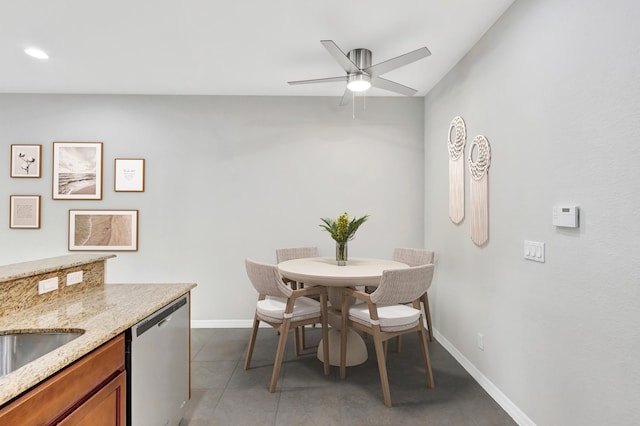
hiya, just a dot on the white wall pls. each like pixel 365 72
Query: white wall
pixel 555 87
pixel 227 178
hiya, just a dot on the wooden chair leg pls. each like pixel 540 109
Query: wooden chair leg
pixel 252 342
pixel 296 341
pixel 382 369
pixel 325 334
pixel 343 338
pixel 398 344
pixel 303 346
pixel 425 302
pixel 282 342
pixel 425 355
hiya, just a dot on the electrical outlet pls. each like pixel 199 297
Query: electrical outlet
pixel 481 341
pixel 45 286
pixel 74 277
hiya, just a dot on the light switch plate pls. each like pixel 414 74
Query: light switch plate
pixel 74 277
pixel 534 250
pixel 45 286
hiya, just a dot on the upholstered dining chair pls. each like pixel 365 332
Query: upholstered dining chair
pixel 414 257
pixel 290 253
pixel 284 308
pixel 383 315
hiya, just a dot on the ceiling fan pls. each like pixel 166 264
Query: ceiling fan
pixel 361 75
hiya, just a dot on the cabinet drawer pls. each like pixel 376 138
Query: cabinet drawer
pixel 58 395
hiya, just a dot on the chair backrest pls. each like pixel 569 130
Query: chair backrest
pixel 266 279
pixel 413 257
pixel 403 285
pixel 284 254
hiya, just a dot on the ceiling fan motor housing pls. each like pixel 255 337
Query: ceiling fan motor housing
pixel 360 58
pixel 359 81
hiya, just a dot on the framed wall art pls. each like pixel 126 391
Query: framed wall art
pixel 77 170
pixel 26 161
pixel 24 211
pixel 128 175
pixel 103 230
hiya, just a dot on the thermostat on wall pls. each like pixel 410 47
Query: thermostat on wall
pixel 566 216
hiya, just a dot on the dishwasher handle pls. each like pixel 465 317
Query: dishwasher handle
pixel 164 321
pixel 161 317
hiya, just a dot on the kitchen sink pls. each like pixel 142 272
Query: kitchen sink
pixel 18 348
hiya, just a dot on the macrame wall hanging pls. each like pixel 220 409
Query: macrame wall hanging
pixel 479 161
pixel 457 132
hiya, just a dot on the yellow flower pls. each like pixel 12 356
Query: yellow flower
pixel 342 227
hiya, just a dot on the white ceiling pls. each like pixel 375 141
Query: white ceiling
pixel 228 47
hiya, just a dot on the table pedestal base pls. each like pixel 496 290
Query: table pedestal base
pixel 356 348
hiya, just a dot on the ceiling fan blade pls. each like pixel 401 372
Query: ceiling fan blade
pixel 397 62
pixel 339 56
pixel 320 80
pixel 346 98
pixel 392 86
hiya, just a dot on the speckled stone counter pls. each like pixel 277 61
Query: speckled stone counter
pixel 19 281
pixel 102 312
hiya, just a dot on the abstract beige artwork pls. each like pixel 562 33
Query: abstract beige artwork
pixel 457 138
pixel 103 230
pixel 479 162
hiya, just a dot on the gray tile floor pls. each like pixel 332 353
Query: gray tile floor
pixel 224 394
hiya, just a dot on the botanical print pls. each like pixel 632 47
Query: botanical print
pixel 25 160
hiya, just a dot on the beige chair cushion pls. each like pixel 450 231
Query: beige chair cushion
pixel 272 308
pixel 396 317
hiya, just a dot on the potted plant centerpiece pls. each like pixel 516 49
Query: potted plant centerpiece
pixel 342 230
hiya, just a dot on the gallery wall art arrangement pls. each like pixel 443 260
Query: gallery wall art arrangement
pixel 77 174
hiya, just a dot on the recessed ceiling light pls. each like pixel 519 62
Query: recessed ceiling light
pixel 36 53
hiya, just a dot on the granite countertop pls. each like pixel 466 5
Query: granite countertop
pixel 33 267
pixel 103 312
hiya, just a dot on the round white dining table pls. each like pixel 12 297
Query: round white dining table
pixel 325 271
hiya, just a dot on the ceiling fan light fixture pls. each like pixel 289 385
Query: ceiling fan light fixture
pixel 358 82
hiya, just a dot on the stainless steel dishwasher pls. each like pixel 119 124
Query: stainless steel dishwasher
pixel 158 366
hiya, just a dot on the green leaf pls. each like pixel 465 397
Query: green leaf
pixel 347 234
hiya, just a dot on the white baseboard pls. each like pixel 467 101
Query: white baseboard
pixel 224 324
pixel 507 405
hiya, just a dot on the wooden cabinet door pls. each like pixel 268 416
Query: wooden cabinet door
pixel 105 408
pixel 50 401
